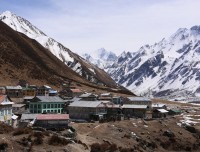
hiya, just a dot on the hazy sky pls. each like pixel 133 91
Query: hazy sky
pixel 116 25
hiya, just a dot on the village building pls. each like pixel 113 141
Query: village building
pixel 117 100
pixel 28 91
pixel 5 109
pixel 43 90
pixel 18 109
pixel 159 113
pixel 2 90
pixel 53 92
pixel 14 91
pixel 174 111
pixel 138 101
pixel 159 106
pixel 138 111
pixel 88 110
pixel 26 119
pixel 51 121
pixel 46 104
pixel 105 96
pixel 69 92
pixel 88 97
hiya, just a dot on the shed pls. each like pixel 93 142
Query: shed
pixel 174 111
pixel 134 110
pixel 159 113
pixel 51 121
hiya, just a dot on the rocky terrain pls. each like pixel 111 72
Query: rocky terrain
pixel 174 133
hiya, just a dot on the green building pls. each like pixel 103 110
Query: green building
pixel 47 104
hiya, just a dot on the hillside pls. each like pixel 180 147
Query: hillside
pixel 23 58
pixel 72 60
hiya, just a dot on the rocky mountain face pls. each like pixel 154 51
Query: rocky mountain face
pixel 101 58
pixel 168 68
pixel 72 60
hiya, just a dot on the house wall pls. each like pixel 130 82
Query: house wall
pixel 84 112
pixel 6 113
pixel 148 103
pixel 29 92
pixel 52 123
pixel 2 91
pixel 14 93
pixel 46 107
pixel 18 109
pixel 140 113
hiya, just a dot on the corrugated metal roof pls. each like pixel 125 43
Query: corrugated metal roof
pixel 50 99
pixel 85 95
pixel 85 104
pixel 28 97
pixel 4 100
pixel 139 99
pixel 52 117
pixel 14 87
pixel 53 91
pixel 28 116
pixel 130 106
pixel 162 110
pixel 18 105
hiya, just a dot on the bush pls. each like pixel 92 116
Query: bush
pixel 96 147
pixel 20 131
pixel 4 128
pixel 56 140
pixel 3 146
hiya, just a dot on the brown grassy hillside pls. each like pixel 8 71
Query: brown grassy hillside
pixel 24 58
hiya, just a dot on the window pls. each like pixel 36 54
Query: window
pixel 55 105
pixel 52 105
pixel 44 106
pixel 39 106
pixel 58 105
pixel 35 106
pixel 48 105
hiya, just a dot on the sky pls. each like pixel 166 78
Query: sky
pixel 116 25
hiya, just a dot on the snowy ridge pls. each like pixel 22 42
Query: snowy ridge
pixel 169 66
pixel 64 54
pixel 101 58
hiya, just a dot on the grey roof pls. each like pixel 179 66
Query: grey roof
pixel 50 99
pixel 139 99
pixel 130 106
pixel 28 97
pixel 18 105
pixel 162 110
pixel 28 116
pixel 14 87
pixel 85 104
pixel 158 105
pixel 85 95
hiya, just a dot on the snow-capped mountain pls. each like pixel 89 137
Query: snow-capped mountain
pixel 101 58
pixel 72 60
pixel 171 65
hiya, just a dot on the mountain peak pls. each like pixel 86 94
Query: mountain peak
pixel 7 13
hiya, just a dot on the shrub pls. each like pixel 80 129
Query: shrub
pixel 4 128
pixel 3 146
pixel 56 140
pixel 96 147
pixel 20 131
